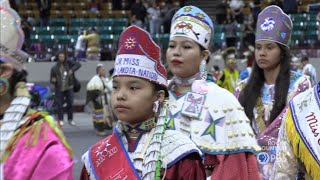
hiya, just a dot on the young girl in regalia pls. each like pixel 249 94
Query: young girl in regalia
pixel 140 147
pixel 271 85
pixel 210 115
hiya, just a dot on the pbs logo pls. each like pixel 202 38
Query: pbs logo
pixel 263 158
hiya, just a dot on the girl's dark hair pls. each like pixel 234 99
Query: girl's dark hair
pixel 157 87
pixel 17 76
pixel 250 94
pixel 203 49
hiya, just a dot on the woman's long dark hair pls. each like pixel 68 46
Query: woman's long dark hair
pixel 252 91
pixel 17 76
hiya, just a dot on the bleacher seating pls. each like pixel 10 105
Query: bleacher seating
pixel 67 18
pixel 304 28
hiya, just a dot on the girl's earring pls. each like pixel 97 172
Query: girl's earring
pixel 4 86
pixel 156 105
pixel 203 69
pixel 201 86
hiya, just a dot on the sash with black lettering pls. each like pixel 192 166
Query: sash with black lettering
pixel 110 160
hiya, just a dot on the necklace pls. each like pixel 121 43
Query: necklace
pixel 135 130
pixel 186 81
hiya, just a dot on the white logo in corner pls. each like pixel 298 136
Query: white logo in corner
pixel 263 158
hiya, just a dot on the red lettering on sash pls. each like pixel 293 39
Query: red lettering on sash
pixel 312 120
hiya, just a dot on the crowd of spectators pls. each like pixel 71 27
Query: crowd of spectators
pixel 238 26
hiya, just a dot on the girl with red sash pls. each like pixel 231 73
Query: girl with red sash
pixel 140 147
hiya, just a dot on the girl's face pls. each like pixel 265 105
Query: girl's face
pixel 267 54
pixel 184 56
pixel 132 99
